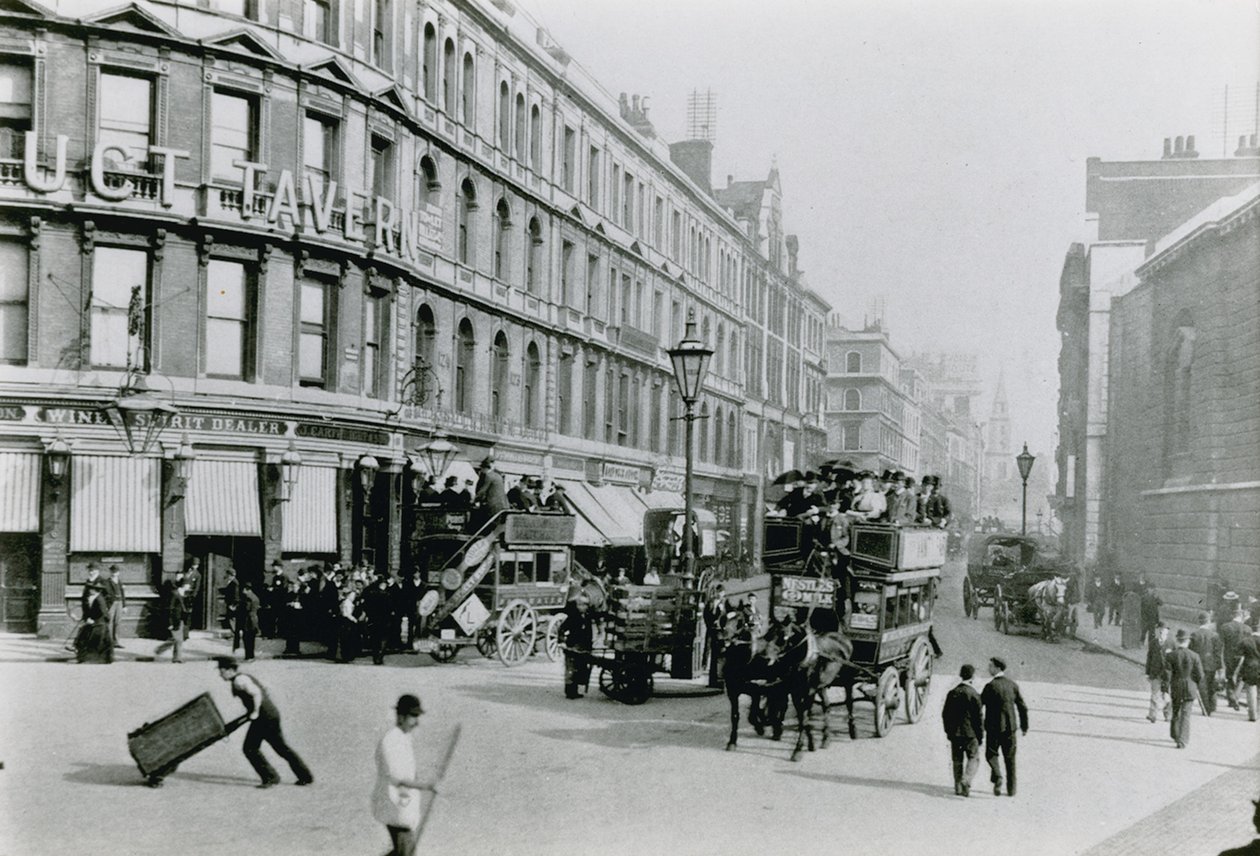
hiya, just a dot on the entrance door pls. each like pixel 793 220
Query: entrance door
pixel 19 582
pixel 217 554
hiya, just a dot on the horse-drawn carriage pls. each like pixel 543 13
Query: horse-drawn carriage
pixel 887 604
pixel 1041 597
pixel 991 559
pixel 500 589
pixel 647 630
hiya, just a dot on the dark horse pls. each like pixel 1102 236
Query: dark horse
pixel 746 671
pixel 809 663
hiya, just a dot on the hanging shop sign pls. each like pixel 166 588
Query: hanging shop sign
pixel 662 480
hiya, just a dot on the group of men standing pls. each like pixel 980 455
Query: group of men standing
pixel 101 605
pixel 1214 656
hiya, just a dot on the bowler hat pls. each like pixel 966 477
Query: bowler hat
pixel 408 705
pixel 886 475
pixel 227 662
pixel 1182 635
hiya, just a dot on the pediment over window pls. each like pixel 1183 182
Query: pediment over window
pixel 130 17
pixel 393 96
pixel 334 69
pixel 245 41
pixel 577 214
pixel 20 7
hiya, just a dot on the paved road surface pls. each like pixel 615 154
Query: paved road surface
pixel 536 774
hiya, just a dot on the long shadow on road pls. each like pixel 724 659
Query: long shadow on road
pixel 126 775
pixel 883 784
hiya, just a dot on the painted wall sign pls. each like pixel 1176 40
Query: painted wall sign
pixel 620 473
pixel 319 431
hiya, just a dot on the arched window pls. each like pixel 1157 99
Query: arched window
pixel 427 184
pixel 853 362
pixel 498 374
pixel 533 241
pixel 449 77
pixel 1177 391
pixel 719 350
pixel 733 358
pixel 718 437
pixel 533 377
pixel 703 454
pixel 465 355
pixel 852 399
pixel 732 442
pixel 654 427
pixel 520 127
pixel 502 220
pixel 470 92
pixel 465 205
pixel 564 394
pixel 636 407
pixel 505 118
pixel 426 336
pixel 429 70
pixel 535 138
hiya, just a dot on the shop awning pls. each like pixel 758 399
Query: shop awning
pixel 622 507
pixel 115 505
pixel 222 499
pixel 309 518
pixel 19 492
pixel 617 533
pixel 662 499
pixel 585 534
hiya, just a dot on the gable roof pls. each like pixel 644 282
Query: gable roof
pixel 332 67
pixel 244 40
pixel 131 17
pixel 24 7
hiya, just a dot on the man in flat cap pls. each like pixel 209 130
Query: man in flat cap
pixel 264 726
pixel 1185 673
pixel 396 797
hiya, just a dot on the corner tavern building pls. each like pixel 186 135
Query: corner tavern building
pixel 321 231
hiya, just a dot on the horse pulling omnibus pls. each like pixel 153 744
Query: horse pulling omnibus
pixel 886 603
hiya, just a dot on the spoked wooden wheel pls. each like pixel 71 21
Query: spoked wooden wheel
pixel 487 642
pixel 517 629
pixel 608 684
pixel 551 644
pixel 444 652
pixel 636 684
pixel 918 676
pixel 969 597
pixel 997 607
pixel 887 699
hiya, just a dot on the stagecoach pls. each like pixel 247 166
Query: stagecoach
pixel 886 601
pixel 500 589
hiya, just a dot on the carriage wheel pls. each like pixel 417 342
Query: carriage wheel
pixel 551 644
pixel 918 676
pixel 608 684
pixel 998 603
pixel 887 699
pixel 516 632
pixel 444 652
pixel 636 685
pixel 969 598
pixel 487 644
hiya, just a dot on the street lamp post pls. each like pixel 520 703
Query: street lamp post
pixel 690 358
pixel 1024 460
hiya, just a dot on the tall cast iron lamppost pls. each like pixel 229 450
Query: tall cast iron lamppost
pixel 691 361
pixel 1024 460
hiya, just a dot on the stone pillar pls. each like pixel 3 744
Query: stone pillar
pixel 346 514
pixel 394 516
pixel 272 513
pixel 55 544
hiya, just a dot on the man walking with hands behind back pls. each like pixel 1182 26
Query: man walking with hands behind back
pixel 1185 673
pixel 964 726
pixel 396 798
pixel 1004 709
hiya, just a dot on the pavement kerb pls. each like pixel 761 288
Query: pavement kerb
pixel 1086 631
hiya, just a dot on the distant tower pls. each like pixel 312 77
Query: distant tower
pixel 999 460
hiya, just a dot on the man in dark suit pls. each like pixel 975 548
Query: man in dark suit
pixel 1150 604
pixel 1185 673
pixel 1232 631
pixel 231 591
pixel 1004 709
pixel 247 605
pixel 491 497
pixel 1206 642
pixel 1156 673
pixel 714 612
pixel 116 601
pixel 964 726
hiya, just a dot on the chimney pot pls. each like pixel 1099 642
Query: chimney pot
pixel 1190 145
pixel 1167 147
pixel 1253 141
pixel 1179 146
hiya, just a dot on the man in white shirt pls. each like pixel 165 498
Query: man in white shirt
pixel 396 797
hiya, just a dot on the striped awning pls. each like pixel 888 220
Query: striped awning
pixel 222 499
pixel 618 533
pixel 661 499
pixel 115 504
pixel 309 518
pixel 19 492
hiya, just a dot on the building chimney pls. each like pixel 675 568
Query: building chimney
pixel 729 179
pixel 623 105
pixel 634 112
pixel 1179 147
pixel 1242 146
pixel 695 158
pixel 793 248
pixel 1190 152
pixel 1167 147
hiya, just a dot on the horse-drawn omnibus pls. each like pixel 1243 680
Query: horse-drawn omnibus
pixel 501 588
pixel 886 602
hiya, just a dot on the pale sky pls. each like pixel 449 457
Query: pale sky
pixel 933 153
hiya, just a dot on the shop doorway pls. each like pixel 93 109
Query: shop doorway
pixel 218 553
pixel 19 582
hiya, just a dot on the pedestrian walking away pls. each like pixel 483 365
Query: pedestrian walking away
pixel 1247 671
pixel 116 600
pixel 1185 674
pixel 264 726
pixel 176 619
pixel 396 797
pixel 964 728
pixel 1004 709
pixel 1232 631
pixel 1156 674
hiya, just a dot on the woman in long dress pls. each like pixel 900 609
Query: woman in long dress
pixel 94 643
